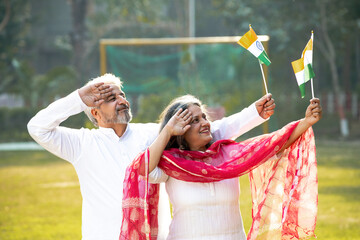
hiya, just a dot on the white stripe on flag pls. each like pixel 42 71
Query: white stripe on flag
pixel 308 57
pixel 300 77
pixel 256 48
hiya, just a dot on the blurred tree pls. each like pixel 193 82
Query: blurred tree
pixel 327 48
pixel 6 16
pixel 78 36
pixel 18 75
pixel 40 90
pixel 150 107
pixel 115 19
pixel 14 26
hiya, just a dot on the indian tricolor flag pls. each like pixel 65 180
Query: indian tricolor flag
pixel 250 42
pixel 307 55
pixel 303 67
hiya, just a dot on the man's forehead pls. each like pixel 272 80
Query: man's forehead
pixel 116 89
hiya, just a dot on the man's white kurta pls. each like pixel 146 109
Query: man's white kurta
pixel 100 157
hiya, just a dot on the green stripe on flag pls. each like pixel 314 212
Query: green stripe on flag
pixel 264 58
pixel 309 72
pixel 302 90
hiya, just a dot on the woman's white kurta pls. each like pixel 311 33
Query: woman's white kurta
pixel 203 211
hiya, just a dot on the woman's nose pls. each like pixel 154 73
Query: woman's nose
pixel 205 122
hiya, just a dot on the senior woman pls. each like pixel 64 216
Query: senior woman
pixel 201 178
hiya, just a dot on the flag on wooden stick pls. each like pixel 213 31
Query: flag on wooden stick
pixel 303 67
pixel 250 42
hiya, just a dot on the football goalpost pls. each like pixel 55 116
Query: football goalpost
pixel 107 48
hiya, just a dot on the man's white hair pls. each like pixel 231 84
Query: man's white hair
pixel 107 78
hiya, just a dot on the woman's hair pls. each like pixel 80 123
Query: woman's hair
pixel 183 102
pixel 107 78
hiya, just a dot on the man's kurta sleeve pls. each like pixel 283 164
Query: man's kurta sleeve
pixel 44 127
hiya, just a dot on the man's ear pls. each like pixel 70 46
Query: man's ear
pixel 95 113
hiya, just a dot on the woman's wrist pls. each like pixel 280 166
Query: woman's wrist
pixel 308 122
pixel 305 124
pixel 168 130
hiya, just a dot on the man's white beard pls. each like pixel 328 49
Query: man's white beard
pixel 123 117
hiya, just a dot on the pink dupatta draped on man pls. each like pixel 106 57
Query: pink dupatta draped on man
pixel 284 190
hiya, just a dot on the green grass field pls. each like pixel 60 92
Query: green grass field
pixel 40 197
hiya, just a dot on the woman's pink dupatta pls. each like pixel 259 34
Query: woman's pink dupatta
pixel 280 189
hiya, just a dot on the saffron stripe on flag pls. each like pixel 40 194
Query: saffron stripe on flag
pixel 308 47
pixel 248 38
pixel 298 66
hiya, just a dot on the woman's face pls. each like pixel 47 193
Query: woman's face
pixel 199 133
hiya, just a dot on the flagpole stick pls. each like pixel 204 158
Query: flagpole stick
pixel 312 85
pixel 312 88
pixel 262 72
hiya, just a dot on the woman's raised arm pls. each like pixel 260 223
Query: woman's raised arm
pixel 177 125
pixel 312 115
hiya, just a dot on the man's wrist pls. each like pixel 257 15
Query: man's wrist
pixel 83 104
pixel 81 92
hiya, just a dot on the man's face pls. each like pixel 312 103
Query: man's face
pixel 115 110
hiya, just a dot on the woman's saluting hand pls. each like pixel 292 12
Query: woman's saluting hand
pixel 179 123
